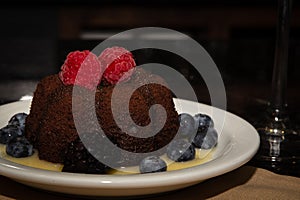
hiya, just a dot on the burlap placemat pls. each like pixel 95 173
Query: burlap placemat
pixel 244 183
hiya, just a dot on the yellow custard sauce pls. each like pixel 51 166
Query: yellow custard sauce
pixel 202 156
pixel 31 161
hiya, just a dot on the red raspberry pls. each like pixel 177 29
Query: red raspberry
pixel 89 66
pixel 118 64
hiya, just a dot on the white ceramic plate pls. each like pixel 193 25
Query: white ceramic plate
pixel 238 142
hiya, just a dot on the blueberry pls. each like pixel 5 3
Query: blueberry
pixel 206 140
pixel 19 120
pixel 203 122
pixel 180 150
pixel 187 125
pixel 19 147
pixel 152 164
pixel 9 132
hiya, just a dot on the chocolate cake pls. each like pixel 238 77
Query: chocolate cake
pixel 50 125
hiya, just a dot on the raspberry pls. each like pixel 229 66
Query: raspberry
pixel 89 66
pixel 118 64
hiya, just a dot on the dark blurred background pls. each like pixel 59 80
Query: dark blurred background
pixel 239 35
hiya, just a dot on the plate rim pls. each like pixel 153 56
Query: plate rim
pixel 186 176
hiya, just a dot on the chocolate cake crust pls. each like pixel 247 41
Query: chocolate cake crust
pixel 50 124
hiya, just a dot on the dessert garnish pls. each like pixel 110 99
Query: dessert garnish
pixel 14 128
pixel 79 160
pixel 152 164
pixel 180 150
pixel 187 124
pixel 19 147
pixel 118 64
pixel 9 132
pixel 13 136
pixel 18 120
pixel 89 66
